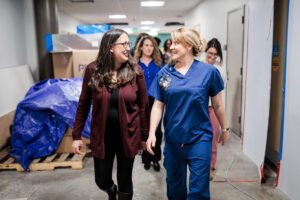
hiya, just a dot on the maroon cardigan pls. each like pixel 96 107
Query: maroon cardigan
pixel 133 114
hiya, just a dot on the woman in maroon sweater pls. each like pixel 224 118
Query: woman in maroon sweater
pixel 120 115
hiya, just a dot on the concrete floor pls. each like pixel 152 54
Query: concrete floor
pixel 67 184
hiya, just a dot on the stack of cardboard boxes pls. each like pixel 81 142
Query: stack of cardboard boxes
pixel 68 64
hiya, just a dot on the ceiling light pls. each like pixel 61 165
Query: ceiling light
pixel 117 16
pixel 146 27
pixel 155 29
pixel 152 3
pixel 147 22
pixel 153 33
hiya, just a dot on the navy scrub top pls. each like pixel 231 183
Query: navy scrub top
pixel 186 118
pixel 149 72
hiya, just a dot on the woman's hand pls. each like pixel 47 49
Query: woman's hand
pixel 151 143
pixel 77 146
pixel 223 138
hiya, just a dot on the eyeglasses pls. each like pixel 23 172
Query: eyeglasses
pixel 212 54
pixel 124 44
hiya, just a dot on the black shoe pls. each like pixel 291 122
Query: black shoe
pixel 147 166
pixel 112 192
pixel 124 196
pixel 156 166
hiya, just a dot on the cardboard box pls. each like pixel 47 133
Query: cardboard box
pixel 81 58
pixel 5 123
pixel 62 64
pixel 68 64
pixel 66 143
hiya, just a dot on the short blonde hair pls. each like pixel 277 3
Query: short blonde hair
pixel 189 36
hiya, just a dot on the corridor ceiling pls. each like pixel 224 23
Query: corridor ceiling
pixel 97 12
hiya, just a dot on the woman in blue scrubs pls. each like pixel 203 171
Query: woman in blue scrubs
pixel 182 90
pixel 147 55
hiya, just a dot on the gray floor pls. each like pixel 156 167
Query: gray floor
pixel 67 184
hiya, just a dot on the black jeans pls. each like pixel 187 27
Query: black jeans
pixel 146 156
pixel 103 167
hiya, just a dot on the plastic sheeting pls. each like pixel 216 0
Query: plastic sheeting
pixel 42 118
pixel 92 28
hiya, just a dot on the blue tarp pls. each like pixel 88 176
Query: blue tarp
pixel 42 118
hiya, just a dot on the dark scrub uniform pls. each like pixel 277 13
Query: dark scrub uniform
pixel 188 130
pixel 150 72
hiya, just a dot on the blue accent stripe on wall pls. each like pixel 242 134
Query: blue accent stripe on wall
pixel 284 82
pixel 48 42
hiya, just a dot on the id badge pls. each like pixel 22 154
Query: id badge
pixel 165 81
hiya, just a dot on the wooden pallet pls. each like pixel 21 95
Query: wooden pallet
pixel 48 163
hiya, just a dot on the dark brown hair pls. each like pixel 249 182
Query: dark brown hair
pixel 214 43
pixel 165 45
pixel 105 63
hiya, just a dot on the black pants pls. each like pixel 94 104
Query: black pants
pixel 147 157
pixel 104 167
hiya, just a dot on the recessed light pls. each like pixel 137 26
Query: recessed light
pixel 117 16
pixel 147 22
pixel 145 27
pixel 155 29
pixel 153 33
pixel 152 3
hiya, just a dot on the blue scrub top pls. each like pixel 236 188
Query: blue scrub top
pixel 149 72
pixel 186 118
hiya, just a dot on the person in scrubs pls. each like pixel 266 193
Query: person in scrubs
pixel 147 55
pixel 182 90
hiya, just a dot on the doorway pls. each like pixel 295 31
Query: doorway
pixel 235 38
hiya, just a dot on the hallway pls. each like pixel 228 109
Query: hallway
pixel 67 184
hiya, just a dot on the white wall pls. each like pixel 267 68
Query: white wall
pixel 259 15
pixel 210 17
pixel 12 42
pixel 17 51
pixel 30 38
pixel 17 35
pixel 16 81
pixel 290 164
pixel 67 24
